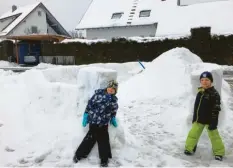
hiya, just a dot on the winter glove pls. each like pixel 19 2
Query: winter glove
pixel 113 122
pixel 85 116
pixel 213 125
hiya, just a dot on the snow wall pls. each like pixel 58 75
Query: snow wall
pixel 217 73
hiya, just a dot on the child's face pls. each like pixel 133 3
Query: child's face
pixel 111 91
pixel 205 83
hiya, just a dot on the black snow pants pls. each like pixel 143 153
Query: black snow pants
pixel 95 134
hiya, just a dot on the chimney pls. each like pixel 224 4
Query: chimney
pixel 14 7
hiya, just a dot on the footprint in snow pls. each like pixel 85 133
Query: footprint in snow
pixel 42 157
pixel 8 149
pixel 23 161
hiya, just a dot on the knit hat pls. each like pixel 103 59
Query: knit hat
pixel 208 75
pixel 113 84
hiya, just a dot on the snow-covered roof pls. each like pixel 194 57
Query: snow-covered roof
pixel 20 10
pixel 171 18
pixel 190 2
pixel 180 20
pixel 21 13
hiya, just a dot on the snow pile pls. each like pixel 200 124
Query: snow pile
pixel 37 117
pixel 4 64
pixel 157 109
pixel 170 71
pixel 46 65
pixel 45 117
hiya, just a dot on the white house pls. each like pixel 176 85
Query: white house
pixel 106 19
pixel 31 19
pixel 190 2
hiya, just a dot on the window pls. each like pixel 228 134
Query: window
pixel 116 15
pixel 145 13
pixel 34 29
pixel 39 13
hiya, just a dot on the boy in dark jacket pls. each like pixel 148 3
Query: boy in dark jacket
pixel 101 109
pixel 206 112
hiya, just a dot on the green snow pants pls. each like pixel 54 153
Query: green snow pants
pixel 195 133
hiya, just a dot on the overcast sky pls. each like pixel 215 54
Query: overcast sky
pixel 67 12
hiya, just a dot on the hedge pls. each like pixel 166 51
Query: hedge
pixel 215 49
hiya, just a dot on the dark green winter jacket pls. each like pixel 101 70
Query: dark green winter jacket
pixel 207 106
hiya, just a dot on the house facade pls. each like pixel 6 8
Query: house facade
pixel 108 33
pixel 191 2
pixel 30 26
pixel 151 18
pixel 28 20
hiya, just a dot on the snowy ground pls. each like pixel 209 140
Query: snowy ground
pixel 41 126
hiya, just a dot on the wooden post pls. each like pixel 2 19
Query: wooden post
pixel 16 52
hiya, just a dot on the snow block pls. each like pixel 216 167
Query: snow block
pixel 217 76
pixel 217 73
pixel 68 74
pixel 89 79
pixel 62 74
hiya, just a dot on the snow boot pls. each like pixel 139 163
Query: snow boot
pixel 190 153
pixel 219 158
pixel 104 163
pixel 195 148
pixel 77 159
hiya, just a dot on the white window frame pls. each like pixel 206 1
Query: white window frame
pixel 144 13
pixel 117 15
pixel 39 13
pixel 34 28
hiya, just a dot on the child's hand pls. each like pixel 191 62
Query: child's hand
pixel 85 116
pixel 113 121
pixel 212 127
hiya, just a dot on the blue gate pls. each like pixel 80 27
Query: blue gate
pixel 23 51
pixel 35 50
pixel 29 49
